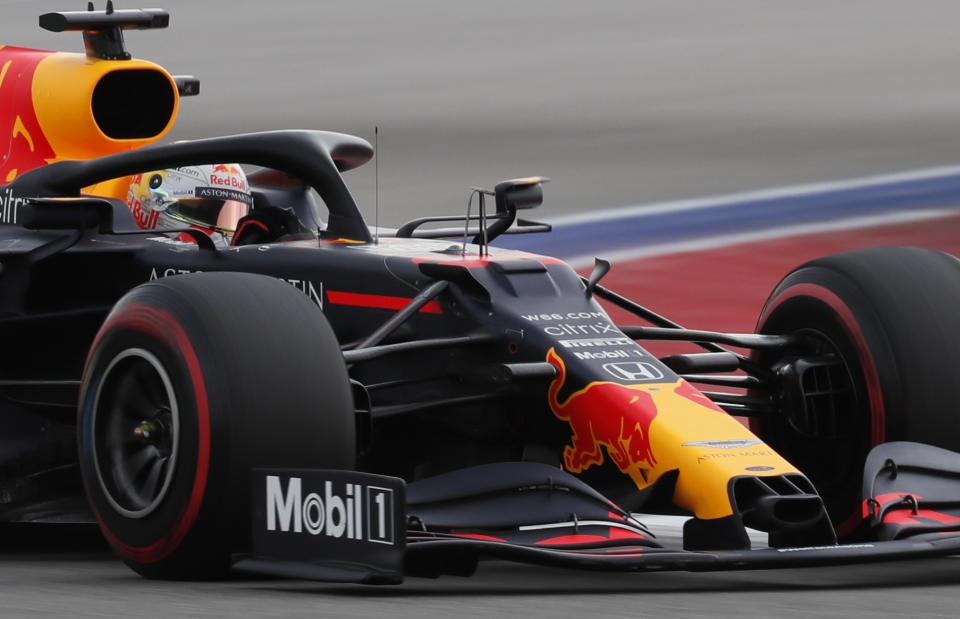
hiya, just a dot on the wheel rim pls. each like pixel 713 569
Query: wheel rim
pixel 136 433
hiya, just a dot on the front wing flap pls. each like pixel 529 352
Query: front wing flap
pixel 639 559
pixel 910 489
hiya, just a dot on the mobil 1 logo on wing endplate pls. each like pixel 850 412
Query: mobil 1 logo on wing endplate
pixel 380 507
pixel 327 515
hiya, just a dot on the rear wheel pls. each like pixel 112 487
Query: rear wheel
pixel 879 362
pixel 191 382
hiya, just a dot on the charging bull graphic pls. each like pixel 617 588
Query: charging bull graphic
pixel 226 168
pixel 27 147
pixel 615 416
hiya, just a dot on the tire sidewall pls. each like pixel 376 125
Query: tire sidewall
pixel 161 332
pixel 844 319
pixel 892 315
pixel 848 319
pixel 259 381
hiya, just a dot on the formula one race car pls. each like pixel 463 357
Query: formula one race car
pixel 317 402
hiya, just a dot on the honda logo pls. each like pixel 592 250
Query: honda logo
pixel 633 371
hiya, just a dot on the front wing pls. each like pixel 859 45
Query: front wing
pixel 345 526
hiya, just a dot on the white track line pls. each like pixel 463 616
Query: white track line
pixel 791 191
pixel 851 223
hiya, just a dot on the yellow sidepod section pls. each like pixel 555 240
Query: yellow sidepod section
pixel 57 105
pixel 89 108
pixel 23 145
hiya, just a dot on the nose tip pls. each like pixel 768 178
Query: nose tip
pixel 784 513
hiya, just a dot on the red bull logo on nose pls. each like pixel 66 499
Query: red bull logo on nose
pixel 606 414
pixel 649 427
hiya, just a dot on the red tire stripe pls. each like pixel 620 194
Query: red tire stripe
pixel 878 417
pixel 162 324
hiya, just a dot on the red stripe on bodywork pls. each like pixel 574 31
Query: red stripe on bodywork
pixel 572 540
pixel 379 301
pixel 618 533
pixel 486 538
pixel 482 263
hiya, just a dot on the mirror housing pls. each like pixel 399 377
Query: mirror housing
pixel 519 193
pixel 67 214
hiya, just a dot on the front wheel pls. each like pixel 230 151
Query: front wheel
pixel 191 382
pixel 878 362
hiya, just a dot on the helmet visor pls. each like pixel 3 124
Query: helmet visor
pixel 219 215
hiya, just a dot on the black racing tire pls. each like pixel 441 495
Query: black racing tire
pixel 892 316
pixel 191 382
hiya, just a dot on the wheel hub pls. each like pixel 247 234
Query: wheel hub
pixel 135 433
pixel 148 432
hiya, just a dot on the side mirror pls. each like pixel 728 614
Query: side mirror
pixel 67 214
pixel 187 85
pixel 519 193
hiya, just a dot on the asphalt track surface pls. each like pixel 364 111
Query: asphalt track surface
pixel 87 581
pixel 621 103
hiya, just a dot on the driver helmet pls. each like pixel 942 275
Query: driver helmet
pixel 212 198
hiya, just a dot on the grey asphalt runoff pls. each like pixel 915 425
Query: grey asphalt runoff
pixel 49 580
pixel 620 103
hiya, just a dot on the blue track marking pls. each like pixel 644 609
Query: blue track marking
pixel 632 227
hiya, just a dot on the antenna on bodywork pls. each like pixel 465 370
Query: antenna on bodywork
pixel 376 185
pixel 481 236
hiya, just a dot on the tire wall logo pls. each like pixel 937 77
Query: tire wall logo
pixel 25 146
